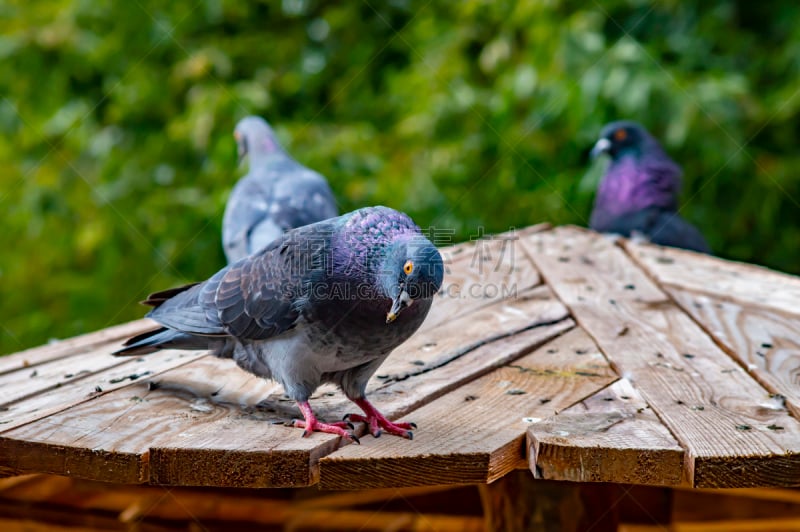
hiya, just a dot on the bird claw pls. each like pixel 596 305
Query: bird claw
pixel 337 429
pixel 378 424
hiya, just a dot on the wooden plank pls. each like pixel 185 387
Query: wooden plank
pixel 399 392
pixel 783 524
pixel 791 496
pixel 718 505
pixel 765 342
pixel 427 366
pixel 704 398
pixel 90 387
pixel 432 348
pixel 746 284
pixel 213 412
pixel 612 436
pixel 479 273
pixel 476 433
pixel 74 346
pixel 518 503
pixel 140 505
pixel 17 385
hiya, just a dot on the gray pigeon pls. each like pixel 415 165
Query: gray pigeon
pixel 326 302
pixel 276 195
pixel 639 192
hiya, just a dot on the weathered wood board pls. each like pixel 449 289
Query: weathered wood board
pixel 211 411
pixel 612 436
pixel 476 434
pixel 765 342
pixel 72 346
pixel 746 284
pixel 705 399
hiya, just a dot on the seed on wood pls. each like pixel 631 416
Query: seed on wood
pixel 664 260
pixel 34 373
pixel 688 355
pixel 630 287
pixel 766 345
pixel 418 362
pixel 698 407
pixel 743 427
pixel 608 398
pixel 544 401
pixel 774 427
pixel 516 392
pixel 470 398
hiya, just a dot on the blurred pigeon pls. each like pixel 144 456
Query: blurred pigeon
pixel 276 195
pixel 638 195
pixel 326 302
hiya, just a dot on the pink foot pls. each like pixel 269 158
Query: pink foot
pixel 312 424
pixel 377 422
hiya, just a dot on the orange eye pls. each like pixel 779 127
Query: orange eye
pixel 408 267
pixel 620 135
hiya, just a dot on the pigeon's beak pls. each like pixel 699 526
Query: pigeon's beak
pixel 241 146
pixel 403 300
pixel 601 146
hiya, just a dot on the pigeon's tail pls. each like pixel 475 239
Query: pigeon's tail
pixel 163 338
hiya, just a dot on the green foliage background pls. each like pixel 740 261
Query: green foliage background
pixel 116 154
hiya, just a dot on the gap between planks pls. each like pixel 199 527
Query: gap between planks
pixel 138 434
pixel 612 436
pixel 761 336
pixel 475 434
pixel 696 389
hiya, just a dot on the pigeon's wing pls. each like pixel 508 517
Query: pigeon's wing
pixel 248 205
pixel 670 229
pixel 257 297
pixel 182 309
pixel 300 196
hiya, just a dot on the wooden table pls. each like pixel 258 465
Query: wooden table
pixel 556 350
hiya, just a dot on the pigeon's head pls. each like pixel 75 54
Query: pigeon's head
pixel 255 137
pixel 622 138
pixel 412 270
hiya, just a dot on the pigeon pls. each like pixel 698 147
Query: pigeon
pixel 326 302
pixel 638 195
pixel 276 195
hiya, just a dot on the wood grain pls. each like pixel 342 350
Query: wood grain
pixel 479 273
pixel 746 284
pixel 701 394
pixel 612 436
pixel 89 387
pixel 28 359
pixel 765 342
pixel 213 413
pixel 475 434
